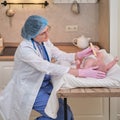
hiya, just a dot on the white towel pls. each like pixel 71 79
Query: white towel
pixel 69 81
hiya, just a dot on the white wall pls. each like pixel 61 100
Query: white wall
pixel 114 27
pixel 119 30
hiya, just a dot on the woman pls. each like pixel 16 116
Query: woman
pixel 30 86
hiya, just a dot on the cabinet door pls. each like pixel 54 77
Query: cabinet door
pixel 6 68
pixel 115 108
pixel 5 76
pixel 90 108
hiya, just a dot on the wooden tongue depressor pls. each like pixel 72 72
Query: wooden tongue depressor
pixel 92 47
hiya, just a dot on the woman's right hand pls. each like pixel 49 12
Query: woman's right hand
pixel 91 72
pixel 84 53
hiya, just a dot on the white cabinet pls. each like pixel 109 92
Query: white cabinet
pixel 6 68
pixel 115 108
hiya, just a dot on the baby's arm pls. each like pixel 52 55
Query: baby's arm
pixel 112 63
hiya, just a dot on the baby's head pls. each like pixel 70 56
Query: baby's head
pixel 96 48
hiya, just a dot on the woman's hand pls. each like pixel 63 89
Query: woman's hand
pixel 87 72
pixel 84 53
pixel 92 72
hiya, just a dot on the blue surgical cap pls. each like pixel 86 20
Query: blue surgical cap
pixel 33 26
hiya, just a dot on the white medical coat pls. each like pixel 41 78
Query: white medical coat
pixel 17 99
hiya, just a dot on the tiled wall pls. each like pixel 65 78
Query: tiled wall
pixel 58 15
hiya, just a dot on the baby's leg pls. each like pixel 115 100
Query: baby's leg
pixel 112 63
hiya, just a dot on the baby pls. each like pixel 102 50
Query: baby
pixel 97 59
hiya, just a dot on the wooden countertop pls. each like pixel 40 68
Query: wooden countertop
pixel 6 58
pixel 89 92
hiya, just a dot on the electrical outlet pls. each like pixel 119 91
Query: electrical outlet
pixel 71 28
